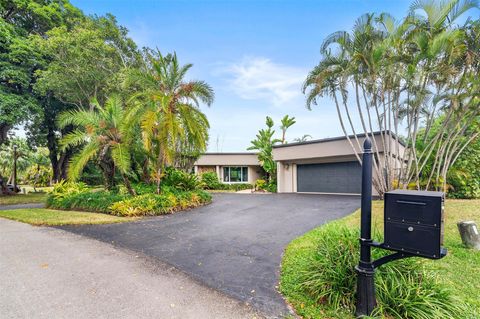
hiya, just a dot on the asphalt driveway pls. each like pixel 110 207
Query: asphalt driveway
pixel 234 245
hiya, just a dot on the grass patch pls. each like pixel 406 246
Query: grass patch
pixel 50 217
pixel 458 271
pixel 23 198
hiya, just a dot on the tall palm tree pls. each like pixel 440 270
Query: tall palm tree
pixel 167 108
pixel 102 133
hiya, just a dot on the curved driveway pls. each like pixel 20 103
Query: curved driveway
pixel 234 245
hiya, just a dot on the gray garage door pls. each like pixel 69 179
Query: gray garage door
pixel 345 177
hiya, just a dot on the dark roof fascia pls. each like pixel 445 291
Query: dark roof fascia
pixel 338 138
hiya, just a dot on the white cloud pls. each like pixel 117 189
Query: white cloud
pixel 255 78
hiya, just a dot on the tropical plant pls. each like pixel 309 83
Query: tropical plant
pixel 102 133
pixel 166 107
pixel 210 180
pixel 37 176
pixel 285 123
pixel 263 143
pixel 304 138
pixel 398 75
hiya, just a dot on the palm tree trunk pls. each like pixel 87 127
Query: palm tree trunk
pixel 129 187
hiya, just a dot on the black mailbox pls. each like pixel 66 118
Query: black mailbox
pixel 414 222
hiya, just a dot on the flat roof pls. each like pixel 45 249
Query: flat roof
pixel 231 153
pixel 337 138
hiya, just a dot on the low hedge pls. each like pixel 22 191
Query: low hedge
pixel 77 196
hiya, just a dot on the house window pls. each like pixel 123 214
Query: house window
pixel 235 174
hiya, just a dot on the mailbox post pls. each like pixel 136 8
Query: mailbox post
pixel 413 227
pixel 365 272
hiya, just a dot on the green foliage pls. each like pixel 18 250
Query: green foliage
pixel 263 143
pixel 92 201
pixel 392 75
pixel 286 122
pixel 262 184
pixel 85 60
pixel 20 58
pixel 38 175
pixel 153 204
pixel 166 107
pixel 181 180
pixel 464 176
pixel 104 135
pixel 64 189
pixel 210 180
pixel 405 288
pixel 77 196
pixel 26 157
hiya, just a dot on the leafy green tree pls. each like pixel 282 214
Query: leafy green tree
pixel 286 122
pixel 263 143
pixel 84 61
pixel 166 107
pixel 102 133
pixel 20 58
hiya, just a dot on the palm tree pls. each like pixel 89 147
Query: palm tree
pixel 304 138
pixel 286 122
pixel 102 133
pixel 394 74
pixel 166 107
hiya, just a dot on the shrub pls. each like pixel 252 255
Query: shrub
pixel 260 184
pixel 238 187
pixel 152 204
pixel 405 288
pixel 92 201
pixel 181 180
pixel 65 189
pixel 210 180
pixel 38 175
pixel 78 196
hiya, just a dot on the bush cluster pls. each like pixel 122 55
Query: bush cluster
pixel 210 181
pixel 78 196
pixel 405 288
pixel 262 184
pixel 38 175
pixel 165 203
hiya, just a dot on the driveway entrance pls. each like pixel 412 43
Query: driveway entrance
pixel 234 245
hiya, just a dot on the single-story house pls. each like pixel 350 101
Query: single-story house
pixel 319 166
pixel 231 167
pixel 325 166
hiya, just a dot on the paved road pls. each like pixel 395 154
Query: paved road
pixel 48 273
pixel 233 245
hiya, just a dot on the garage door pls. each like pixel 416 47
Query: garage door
pixel 344 177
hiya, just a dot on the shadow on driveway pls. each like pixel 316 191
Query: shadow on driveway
pixel 235 244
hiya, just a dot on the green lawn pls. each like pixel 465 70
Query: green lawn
pixel 459 270
pixel 23 198
pixel 51 217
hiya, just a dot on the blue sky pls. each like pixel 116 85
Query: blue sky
pixel 254 53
